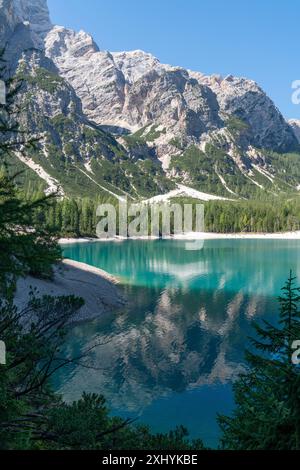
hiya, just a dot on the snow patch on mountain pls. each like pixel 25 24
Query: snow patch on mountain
pixel 184 191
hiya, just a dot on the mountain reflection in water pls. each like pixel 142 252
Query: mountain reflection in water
pixel 180 339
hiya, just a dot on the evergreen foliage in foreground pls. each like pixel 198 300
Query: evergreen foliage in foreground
pixel 25 246
pixel 267 395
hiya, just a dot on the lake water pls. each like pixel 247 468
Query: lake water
pixel 171 354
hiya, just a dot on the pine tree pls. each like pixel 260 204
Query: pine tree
pixel 25 246
pixel 267 395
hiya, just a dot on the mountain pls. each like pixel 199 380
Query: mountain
pixel 74 156
pixel 123 123
pixel 133 89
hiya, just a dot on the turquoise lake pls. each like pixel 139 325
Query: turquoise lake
pixel 171 354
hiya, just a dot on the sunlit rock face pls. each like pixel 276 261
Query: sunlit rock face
pixel 244 99
pixel 133 89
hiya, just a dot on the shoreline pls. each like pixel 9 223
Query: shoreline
pixel 192 236
pixel 99 289
pixel 70 263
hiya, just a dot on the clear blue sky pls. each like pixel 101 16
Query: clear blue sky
pixel 258 39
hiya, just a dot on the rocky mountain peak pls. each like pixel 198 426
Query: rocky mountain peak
pixel 134 89
pixel 61 41
pixel 135 64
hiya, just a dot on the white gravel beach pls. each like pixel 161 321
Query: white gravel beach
pixel 194 236
pixel 98 288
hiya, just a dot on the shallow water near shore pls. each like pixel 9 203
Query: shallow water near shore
pixel 171 354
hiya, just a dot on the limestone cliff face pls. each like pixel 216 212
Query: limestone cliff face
pixel 133 89
pixel 244 99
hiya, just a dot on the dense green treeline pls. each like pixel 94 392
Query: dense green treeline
pixel 71 217
pixel 77 217
pixel 252 216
